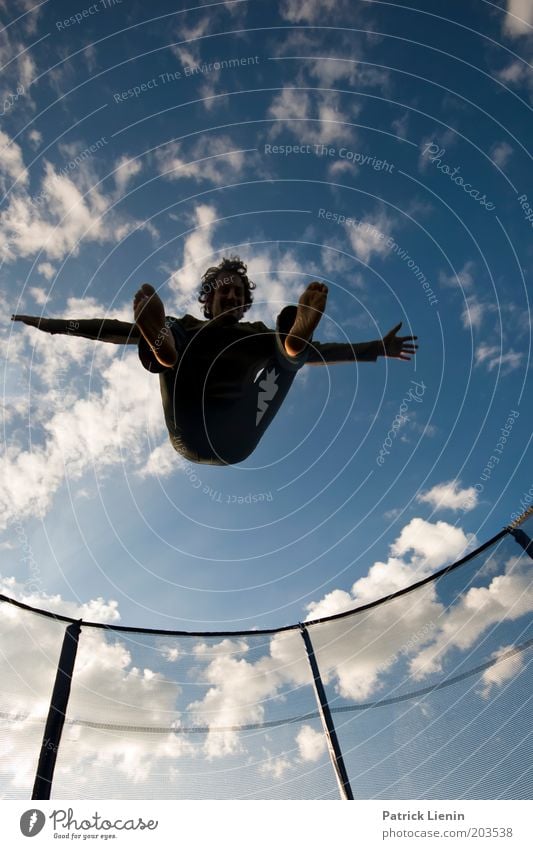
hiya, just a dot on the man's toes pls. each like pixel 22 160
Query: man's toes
pixel 147 289
pixel 138 298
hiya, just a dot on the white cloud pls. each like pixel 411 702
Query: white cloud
pixel 125 170
pixel 335 64
pixel 79 431
pixel 161 463
pixel 340 167
pixel 492 357
pixel 369 237
pixel 58 219
pixel 40 296
pixel 400 125
pixel 170 653
pixel 236 696
pixel 47 270
pixel 357 653
pixel 35 138
pixel 198 254
pixel 213 158
pixel 500 153
pixel 508 597
pixel 517 71
pixel 66 211
pixel 473 312
pixel 314 118
pixel 276 767
pixel 11 163
pixel 433 544
pixel 463 278
pixel 188 52
pixel 518 18
pixel 449 496
pixel 18 68
pixel 503 670
pixel 309 11
pixel 311 743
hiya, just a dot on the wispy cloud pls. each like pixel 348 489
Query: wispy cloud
pixel 491 357
pixel 213 159
pixel 463 279
pixel 500 153
pixel 449 496
pixel 60 217
pixel 313 117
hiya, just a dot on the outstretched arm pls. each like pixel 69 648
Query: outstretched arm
pixel 392 345
pixel 102 329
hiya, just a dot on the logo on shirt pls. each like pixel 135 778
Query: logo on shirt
pixel 268 387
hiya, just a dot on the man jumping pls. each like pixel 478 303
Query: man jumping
pixel 223 380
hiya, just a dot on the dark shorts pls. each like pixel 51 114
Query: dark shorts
pixel 224 431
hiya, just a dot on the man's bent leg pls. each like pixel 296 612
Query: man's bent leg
pixel 149 313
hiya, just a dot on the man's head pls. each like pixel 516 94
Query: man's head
pixel 226 289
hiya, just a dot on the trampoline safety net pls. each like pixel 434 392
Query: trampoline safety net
pixel 425 694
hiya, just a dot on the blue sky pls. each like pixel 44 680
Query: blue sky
pixel 378 148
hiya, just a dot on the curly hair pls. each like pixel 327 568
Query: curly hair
pixel 233 264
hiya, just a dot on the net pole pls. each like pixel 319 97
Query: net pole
pixel 56 714
pixel 327 720
pixel 522 539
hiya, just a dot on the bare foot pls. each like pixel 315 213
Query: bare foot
pixel 311 306
pixel 149 314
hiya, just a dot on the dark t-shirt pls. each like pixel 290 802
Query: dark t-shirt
pixel 213 394
pixel 217 362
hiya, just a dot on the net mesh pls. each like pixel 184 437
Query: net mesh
pixel 191 718
pixel 30 646
pixel 429 692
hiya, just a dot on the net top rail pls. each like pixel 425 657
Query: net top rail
pixel 263 631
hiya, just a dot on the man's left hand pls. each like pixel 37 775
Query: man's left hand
pixel 398 347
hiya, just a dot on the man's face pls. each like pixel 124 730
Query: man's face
pixel 228 297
